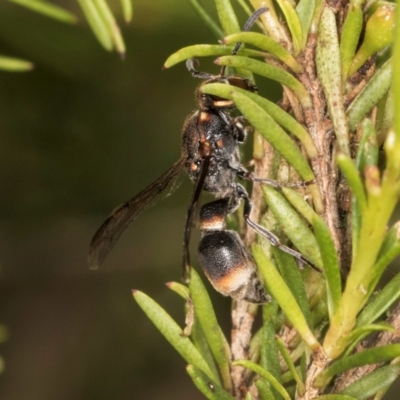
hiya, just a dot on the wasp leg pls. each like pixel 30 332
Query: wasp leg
pixel 273 239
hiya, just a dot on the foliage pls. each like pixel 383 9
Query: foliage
pixel 340 108
pixel 348 100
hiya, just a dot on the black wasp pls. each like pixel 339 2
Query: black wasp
pixel 211 158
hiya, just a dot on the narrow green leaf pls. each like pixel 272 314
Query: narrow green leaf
pixel 380 303
pixel 353 179
pixel 370 356
pixel 208 387
pixel 331 264
pixel 205 313
pixel 180 289
pixel 49 10
pixel 305 11
pixel 208 21
pixel 335 397
pixel 387 120
pixel 264 390
pixel 255 346
pixel 227 17
pixel 171 331
pixel 372 383
pixel 372 92
pixel 368 150
pixel 267 44
pixel 291 274
pixel 270 354
pixel 112 26
pixel 269 71
pixel 389 251
pixel 196 332
pixel 293 225
pixel 299 203
pixel 127 10
pixel 396 82
pixel 329 73
pixel 200 341
pixel 350 37
pixel 293 24
pixel 96 23
pixel 264 374
pixel 205 50
pixel 15 64
pixel 282 294
pixel 290 365
pixel 362 332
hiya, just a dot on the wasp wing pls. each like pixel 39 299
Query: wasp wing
pixel 110 231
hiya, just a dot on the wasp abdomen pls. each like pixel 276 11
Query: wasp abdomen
pixel 224 258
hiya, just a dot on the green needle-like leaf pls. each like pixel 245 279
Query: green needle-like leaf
pixel 180 289
pixel 127 10
pixel 171 331
pixel 270 352
pixel 380 303
pixel 350 37
pixel 369 96
pixel 353 179
pixel 205 50
pixel 264 390
pixel 368 149
pixel 359 334
pixel 289 363
pixel 396 80
pixel 12 64
pixel 267 44
pixel 329 72
pixel 266 375
pixel 205 314
pixel 293 24
pixel 305 12
pixel 282 294
pixel 291 274
pixel 335 397
pixel 112 26
pixel 370 356
pixel 293 225
pixel 227 17
pixel 208 21
pixel 208 387
pixel 331 264
pixel 97 23
pixel 49 10
pixel 269 71
pixel 368 385
pixel 299 203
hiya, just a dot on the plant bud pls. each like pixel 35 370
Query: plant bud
pixel 378 34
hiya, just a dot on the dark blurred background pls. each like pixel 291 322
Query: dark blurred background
pixel 80 134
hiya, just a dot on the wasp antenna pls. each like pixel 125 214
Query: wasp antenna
pixel 247 26
pixel 249 23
